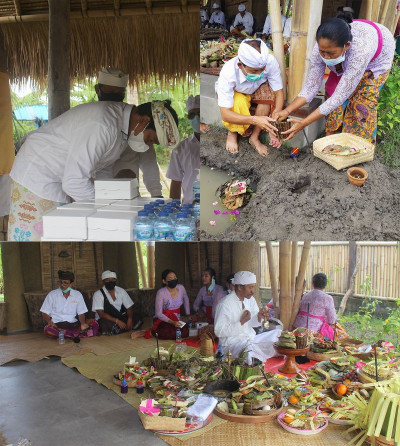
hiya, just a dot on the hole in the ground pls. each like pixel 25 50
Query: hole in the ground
pixel 301 185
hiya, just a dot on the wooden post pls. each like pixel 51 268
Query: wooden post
pixel 285 299
pixel 352 281
pixel 59 57
pixel 366 10
pixel 293 268
pixel 298 47
pixel 300 281
pixel 313 24
pixel 277 39
pixel 151 264
pixel 274 282
pixel 352 261
pixel 141 264
pixel 376 6
pixel 390 21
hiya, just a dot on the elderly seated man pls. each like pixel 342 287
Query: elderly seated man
pixel 114 307
pixel 64 309
pixel 236 316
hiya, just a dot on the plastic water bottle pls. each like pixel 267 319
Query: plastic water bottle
pixel 61 338
pixel 196 184
pixel 192 222
pixel 143 227
pixel 178 335
pixel 182 231
pixel 219 354
pixel 196 206
pixel 163 227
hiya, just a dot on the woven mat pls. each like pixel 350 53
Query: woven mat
pixel 36 346
pixel 3 441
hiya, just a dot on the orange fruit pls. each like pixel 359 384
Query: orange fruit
pixel 293 399
pixel 288 419
pixel 341 389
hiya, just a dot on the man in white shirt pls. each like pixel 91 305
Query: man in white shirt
pixel 203 15
pixel 243 20
pixel 267 30
pixel 111 86
pixel 114 307
pixel 185 158
pixel 58 161
pixel 236 316
pixel 287 30
pixel 64 309
pixel 217 19
pixel 253 77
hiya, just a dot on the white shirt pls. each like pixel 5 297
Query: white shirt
pixel 232 79
pixel 247 21
pixel 62 309
pixel 203 15
pixel 185 159
pixel 58 160
pixel 121 297
pixel 227 324
pixel 217 18
pixel 267 25
pixel 287 30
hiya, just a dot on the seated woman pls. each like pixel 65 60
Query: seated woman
pixel 208 294
pixel 169 300
pixel 318 307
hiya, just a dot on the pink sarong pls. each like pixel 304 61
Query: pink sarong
pixel 326 330
pixel 53 332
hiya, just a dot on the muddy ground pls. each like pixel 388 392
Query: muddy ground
pixel 306 199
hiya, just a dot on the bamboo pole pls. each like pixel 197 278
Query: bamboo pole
pixel 293 268
pixel 141 264
pixel 272 277
pixel 383 11
pixel 151 264
pixel 300 281
pixel 396 21
pixel 59 57
pixel 376 6
pixel 285 301
pixel 288 8
pixel 277 39
pixel 298 47
pixel 350 291
pixel 314 21
pixel 395 17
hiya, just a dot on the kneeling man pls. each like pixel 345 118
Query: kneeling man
pixel 251 78
pixel 61 309
pixel 237 314
pixel 113 307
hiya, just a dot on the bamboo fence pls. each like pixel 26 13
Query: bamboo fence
pixel 380 261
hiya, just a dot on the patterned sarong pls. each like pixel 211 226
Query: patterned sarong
pixel 242 105
pixel 26 214
pixel 72 330
pixel 359 114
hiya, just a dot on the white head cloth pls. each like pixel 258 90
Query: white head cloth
pixel 113 77
pixel 166 128
pixel 242 7
pixel 193 103
pixel 348 9
pixel 108 275
pixel 244 278
pixel 250 56
pixel 215 6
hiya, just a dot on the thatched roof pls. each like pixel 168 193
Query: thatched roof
pixel 145 38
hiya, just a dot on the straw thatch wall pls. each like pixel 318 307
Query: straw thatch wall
pixel 379 261
pixel 161 46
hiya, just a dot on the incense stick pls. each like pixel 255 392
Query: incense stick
pixel 308 312
pixel 376 363
pixel 158 348
pixel 334 333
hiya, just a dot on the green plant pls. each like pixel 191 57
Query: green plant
pixel 392 324
pixel 389 117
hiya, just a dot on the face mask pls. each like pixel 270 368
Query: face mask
pixel 113 97
pixel 110 285
pixel 67 290
pixel 212 286
pixel 172 283
pixel 229 291
pixel 195 123
pixel 136 142
pixel 333 62
pixel 253 77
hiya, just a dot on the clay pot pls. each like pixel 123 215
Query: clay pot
pixel 354 172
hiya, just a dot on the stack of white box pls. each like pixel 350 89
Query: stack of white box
pixel 109 217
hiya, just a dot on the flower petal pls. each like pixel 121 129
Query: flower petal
pixel 212 223
pixel 217 211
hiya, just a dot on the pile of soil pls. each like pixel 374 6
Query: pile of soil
pixel 306 199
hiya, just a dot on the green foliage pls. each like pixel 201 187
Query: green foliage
pixel 392 324
pixel 389 117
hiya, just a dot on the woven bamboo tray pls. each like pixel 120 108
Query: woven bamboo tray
pixel 321 356
pixel 157 423
pixel 248 418
pixel 344 139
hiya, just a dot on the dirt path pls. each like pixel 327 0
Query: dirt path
pixel 306 199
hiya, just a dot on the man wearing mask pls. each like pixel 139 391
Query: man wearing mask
pixel 114 307
pixel 64 309
pixel 185 158
pixel 58 161
pixel 267 30
pixel 111 86
pixel 217 19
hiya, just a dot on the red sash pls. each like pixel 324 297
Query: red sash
pixel 209 314
pixel 171 314
pixel 333 79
